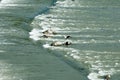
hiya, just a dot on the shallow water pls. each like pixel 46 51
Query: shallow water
pixel 93 27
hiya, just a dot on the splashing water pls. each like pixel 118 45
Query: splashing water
pixel 93 30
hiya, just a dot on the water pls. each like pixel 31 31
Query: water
pixel 94 29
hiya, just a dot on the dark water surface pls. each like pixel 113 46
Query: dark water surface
pixel 92 24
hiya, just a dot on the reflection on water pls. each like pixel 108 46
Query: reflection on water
pixel 94 29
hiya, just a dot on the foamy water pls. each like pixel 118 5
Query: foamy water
pixel 92 42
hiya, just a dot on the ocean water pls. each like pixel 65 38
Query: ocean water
pixel 95 36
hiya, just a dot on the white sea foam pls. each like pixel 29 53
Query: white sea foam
pixel 46 46
pixel 94 76
pixel 68 3
pixel 35 34
pixel 99 61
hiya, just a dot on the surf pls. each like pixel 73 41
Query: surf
pixel 88 36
